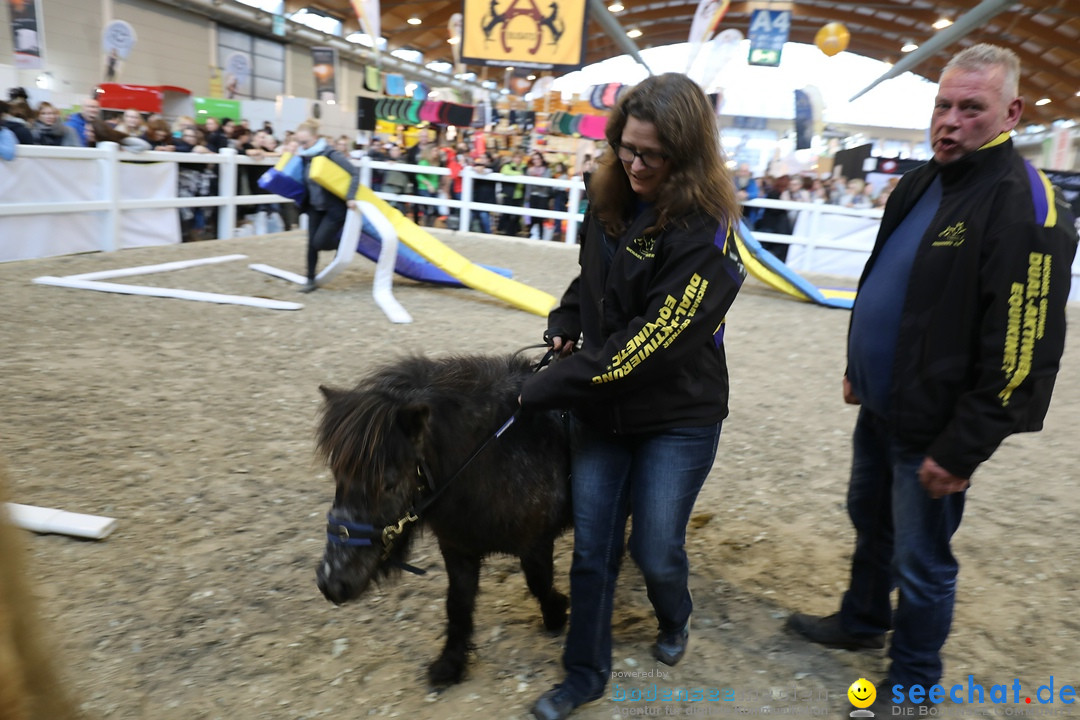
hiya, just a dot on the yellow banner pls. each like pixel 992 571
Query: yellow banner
pixel 524 32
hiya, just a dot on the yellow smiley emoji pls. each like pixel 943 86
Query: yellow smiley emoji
pixel 862 693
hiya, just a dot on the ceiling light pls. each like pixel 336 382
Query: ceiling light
pixel 941 23
pixel 633 33
pixel 616 7
pixel 1044 101
pixel 414 20
pixel 909 45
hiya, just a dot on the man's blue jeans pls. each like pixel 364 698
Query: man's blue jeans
pixel 656 476
pixel 902 540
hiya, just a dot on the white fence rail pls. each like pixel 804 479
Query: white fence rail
pixel 574 187
pixel 101 200
pixel 825 238
pixel 96 186
pixel 88 183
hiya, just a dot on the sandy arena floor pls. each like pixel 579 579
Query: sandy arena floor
pixel 192 424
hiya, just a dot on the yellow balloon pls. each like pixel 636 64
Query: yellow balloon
pixel 832 38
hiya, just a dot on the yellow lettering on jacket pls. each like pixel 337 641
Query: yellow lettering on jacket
pixel 1012 330
pixel 673 317
pixel 1032 325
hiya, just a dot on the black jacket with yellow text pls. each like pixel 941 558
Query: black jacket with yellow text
pixel 983 324
pixel 650 314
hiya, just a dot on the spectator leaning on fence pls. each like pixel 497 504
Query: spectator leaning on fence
pixel 513 194
pixel 48 130
pixel 159 135
pixel 132 123
pixel 87 114
pixel 427 185
pixel 539 195
pixel 193 181
pixel 16 117
pixel 484 191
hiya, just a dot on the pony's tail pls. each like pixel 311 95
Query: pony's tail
pixel 30 686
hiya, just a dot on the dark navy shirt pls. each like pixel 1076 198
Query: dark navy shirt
pixel 875 320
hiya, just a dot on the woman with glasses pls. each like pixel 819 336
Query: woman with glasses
pixel 647 386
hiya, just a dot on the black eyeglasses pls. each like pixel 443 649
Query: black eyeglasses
pixel 649 158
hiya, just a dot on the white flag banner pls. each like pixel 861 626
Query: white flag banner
pixel 706 22
pixel 370 15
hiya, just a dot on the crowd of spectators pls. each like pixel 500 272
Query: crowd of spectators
pixel 841 191
pixel 461 154
pixel 136 131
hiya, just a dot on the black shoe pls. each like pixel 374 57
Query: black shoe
pixel 830 632
pixel 309 286
pixel 556 704
pixel 883 705
pixel 671 646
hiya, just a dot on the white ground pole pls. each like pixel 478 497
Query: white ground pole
pixel 49 520
pixel 93 281
pixel 346 248
pixel 382 289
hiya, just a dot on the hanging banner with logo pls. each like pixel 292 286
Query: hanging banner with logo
pixel 768 33
pixel 324 60
pixel 27 33
pixel 116 42
pixel 520 33
pixel 238 75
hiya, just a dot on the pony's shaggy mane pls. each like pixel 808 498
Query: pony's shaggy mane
pixel 362 430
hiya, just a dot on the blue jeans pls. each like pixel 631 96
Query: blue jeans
pixel 484 218
pixel 902 540
pixel 656 476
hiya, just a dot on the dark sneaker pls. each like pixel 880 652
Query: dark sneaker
pixel 671 646
pixel 830 632
pixel 556 704
pixel 883 706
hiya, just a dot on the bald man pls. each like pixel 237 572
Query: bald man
pixel 88 113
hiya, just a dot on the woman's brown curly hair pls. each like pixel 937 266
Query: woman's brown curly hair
pixel 686 127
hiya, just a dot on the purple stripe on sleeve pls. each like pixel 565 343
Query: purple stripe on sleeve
pixel 1038 193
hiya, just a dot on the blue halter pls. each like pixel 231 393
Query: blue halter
pixel 343 532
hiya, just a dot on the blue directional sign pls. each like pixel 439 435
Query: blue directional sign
pixel 768 33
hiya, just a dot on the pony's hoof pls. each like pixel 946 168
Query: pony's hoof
pixel 445 672
pixel 554 611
